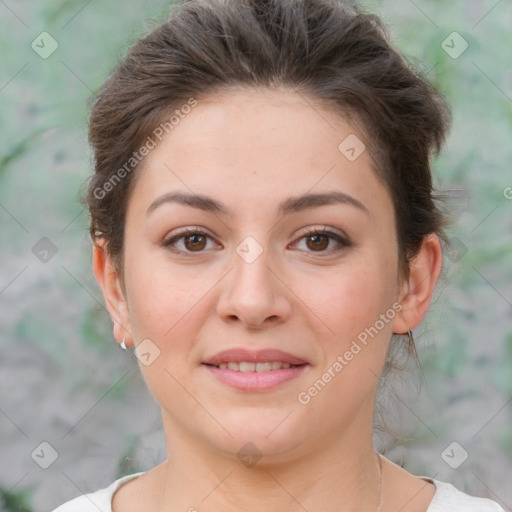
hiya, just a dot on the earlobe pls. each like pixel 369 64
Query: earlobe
pixel 425 269
pixel 110 283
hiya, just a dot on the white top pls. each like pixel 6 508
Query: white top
pixel 447 498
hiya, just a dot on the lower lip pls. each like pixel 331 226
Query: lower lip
pixel 256 381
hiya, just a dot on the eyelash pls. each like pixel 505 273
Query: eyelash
pixel 344 243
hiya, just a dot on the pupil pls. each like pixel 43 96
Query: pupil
pixel 195 241
pixel 315 239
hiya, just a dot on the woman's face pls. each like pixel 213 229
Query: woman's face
pixel 257 169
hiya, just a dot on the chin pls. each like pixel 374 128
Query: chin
pixel 270 433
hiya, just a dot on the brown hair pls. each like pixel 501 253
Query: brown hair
pixel 327 50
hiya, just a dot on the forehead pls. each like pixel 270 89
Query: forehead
pixel 243 121
pixel 261 145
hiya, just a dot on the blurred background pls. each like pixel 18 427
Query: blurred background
pixel 74 410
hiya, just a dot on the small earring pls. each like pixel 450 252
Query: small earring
pixel 412 347
pixel 123 344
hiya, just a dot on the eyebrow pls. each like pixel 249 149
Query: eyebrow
pixel 290 205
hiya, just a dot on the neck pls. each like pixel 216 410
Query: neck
pixel 343 473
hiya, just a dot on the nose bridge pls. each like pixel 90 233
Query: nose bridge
pixel 252 294
pixel 252 277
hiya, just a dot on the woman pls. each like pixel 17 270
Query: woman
pixel 263 222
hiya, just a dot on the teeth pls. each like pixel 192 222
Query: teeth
pixel 264 367
pixel 246 366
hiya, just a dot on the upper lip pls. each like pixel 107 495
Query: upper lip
pixel 240 354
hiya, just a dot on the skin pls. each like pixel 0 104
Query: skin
pixel 250 150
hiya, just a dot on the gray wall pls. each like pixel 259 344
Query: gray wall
pixel 64 381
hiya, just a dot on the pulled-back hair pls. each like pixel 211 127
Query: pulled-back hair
pixel 326 50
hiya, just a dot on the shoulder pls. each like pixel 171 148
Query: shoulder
pixel 450 499
pixel 99 501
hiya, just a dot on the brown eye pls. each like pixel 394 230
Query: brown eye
pixel 318 241
pixel 186 242
pixel 195 242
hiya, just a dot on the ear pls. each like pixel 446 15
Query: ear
pixel 417 290
pixel 110 283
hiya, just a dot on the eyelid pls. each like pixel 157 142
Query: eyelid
pixel 321 229
pixel 189 230
pixel 342 240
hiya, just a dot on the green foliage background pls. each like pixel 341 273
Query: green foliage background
pixel 62 378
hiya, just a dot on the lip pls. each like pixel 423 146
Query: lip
pixel 240 354
pixel 255 381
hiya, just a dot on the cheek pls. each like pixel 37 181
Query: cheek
pixel 167 307
pixel 352 297
pixel 161 301
pixel 351 306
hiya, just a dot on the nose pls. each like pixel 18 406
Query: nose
pixel 254 294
